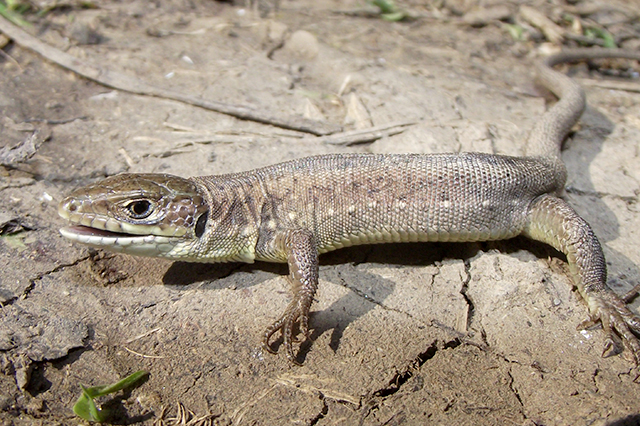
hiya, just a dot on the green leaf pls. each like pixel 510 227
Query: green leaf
pixel 85 406
pixel 602 34
pixel 516 31
pixel 386 6
pixel 608 40
pixel 394 17
pixel 122 384
pixel 7 11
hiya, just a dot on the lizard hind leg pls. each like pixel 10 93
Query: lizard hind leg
pixel 302 257
pixel 552 221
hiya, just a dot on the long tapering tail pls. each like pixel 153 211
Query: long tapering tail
pixel 552 128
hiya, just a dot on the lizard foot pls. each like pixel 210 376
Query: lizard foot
pixel 296 311
pixel 616 318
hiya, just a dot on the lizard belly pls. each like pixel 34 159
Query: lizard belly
pixel 479 225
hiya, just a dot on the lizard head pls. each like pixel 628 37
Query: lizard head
pixel 143 214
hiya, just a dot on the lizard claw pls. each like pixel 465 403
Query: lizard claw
pixel 617 319
pixel 295 312
pixel 611 347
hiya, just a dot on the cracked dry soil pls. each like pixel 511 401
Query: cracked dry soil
pixel 468 334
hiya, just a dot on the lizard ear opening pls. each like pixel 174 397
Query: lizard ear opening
pixel 201 224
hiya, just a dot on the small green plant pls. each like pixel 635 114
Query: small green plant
pixel 86 407
pixel 593 32
pixel 389 11
pixel 516 31
pixel 13 11
pixel 602 34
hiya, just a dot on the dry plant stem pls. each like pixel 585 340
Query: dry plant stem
pixel 583 39
pixel 10 58
pixel 370 134
pixel 551 31
pixel 130 84
pixel 627 86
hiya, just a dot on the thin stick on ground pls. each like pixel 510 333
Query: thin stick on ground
pixel 627 86
pixel 370 134
pixel 130 84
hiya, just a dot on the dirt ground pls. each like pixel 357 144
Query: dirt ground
pixel 466 334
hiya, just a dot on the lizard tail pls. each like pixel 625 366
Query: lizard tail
pixel 549 132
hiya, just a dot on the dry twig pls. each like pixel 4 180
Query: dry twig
pixel 365 135
pixel 627 86
pixel 551 31
pixel 130 84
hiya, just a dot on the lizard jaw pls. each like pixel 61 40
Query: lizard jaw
pixel 87 231
pixel 142 245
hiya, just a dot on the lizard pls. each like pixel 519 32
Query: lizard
pixel 294 211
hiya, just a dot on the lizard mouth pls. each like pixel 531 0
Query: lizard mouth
pixel 101 238
pixel 143 245
pixel 87 231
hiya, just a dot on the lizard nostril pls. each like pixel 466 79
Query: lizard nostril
pixel 69 205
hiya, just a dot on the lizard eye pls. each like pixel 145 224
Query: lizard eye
pixel 139 209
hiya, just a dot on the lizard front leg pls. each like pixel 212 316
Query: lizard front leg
pixel 553 221
pixel 302 256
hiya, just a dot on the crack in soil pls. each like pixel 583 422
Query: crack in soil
pixel 463 291
pixel 32 281
pixel 368 298
pixel 514 390
pixel 516 393
pixel 323 411
pixel 194 381
pixel 598 194
pixel 396 383
pixel 594 377
pixel 400 378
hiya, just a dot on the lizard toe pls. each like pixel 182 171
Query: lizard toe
pixel 286 325
pixel 618 320
pixel 289 339
pixel 268 333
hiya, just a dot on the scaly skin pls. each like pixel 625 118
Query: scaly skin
pixel 294 211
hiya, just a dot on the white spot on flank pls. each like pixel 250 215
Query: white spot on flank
pixel 446 204
pixel 271 224
pixel 292 215
pixel 352 208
